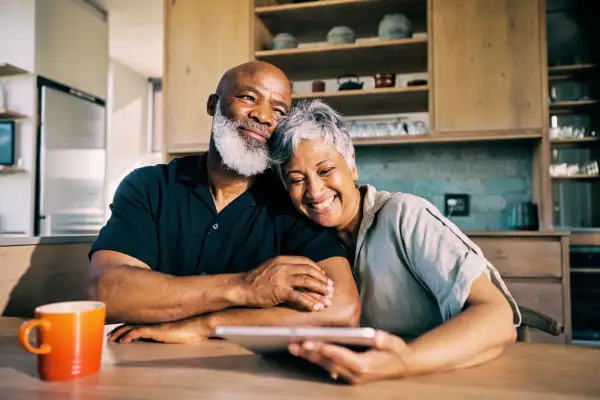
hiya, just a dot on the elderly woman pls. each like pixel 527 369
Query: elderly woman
pixel 419 276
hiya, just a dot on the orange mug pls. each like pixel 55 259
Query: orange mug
pixel 70 336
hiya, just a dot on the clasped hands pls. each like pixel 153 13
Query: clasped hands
pixel 293 281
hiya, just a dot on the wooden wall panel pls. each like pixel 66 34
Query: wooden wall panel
pixel 203 39
pixel 487 64
pixel 39 274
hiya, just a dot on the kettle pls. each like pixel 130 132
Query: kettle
pixel 350 84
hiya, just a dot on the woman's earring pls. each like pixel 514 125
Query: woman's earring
pixel 357 183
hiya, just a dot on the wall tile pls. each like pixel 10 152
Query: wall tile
pixel 495 175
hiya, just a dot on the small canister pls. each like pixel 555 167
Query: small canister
pixel 318 86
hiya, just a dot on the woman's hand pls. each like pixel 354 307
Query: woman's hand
pixel 389 358
pixel 186 331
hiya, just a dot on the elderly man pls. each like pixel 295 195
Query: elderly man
pixel 213 240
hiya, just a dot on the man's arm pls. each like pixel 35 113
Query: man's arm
pixel 134 293
pixel 344 311
pixel 126 251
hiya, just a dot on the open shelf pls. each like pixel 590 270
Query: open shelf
pixel 435 138
pixel 9 69
pixel 577 177
pixel 574 142
pixel 310 22
pixel 360 58
pixel 573 103
pixel 374 101
pixel 572 69
pixel 10 115
pixel 10 169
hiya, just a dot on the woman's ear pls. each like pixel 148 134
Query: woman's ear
pixel 353 169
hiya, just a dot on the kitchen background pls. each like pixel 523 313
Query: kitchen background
pixel 107 63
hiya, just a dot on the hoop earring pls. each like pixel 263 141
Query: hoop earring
pixel 357 183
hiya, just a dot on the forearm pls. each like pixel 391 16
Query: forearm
pixel 477 335
pixel 138 295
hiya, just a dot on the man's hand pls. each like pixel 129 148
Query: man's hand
pixel 186 331
pixel 390 358
pixel 295 281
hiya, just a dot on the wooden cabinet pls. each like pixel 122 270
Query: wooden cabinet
pixel 203 39
pixel 535 268
pixel 487 58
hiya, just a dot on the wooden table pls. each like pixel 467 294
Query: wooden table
pixel 220 370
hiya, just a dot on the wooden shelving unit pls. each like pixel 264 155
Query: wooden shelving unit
pixel 9 70
pixel 10 115
pixel 572 104
pixel 574 142
pixel 362 16
pixel 384 100
pixel 578 177
pixel 572 69
pixel 365 58
pixel 432 138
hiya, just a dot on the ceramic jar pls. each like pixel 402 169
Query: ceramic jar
pixel 385 80
pixel 341 35
pixel 395 26
pixel 284 41
pixel 318 86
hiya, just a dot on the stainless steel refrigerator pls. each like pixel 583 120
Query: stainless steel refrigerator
pixel 71 164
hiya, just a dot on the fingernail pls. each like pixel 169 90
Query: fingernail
pixel 294 349
pixel 327 301
pixel 329 282
pixel 309 345
pixel 318 307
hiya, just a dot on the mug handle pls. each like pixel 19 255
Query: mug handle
pixel 25 330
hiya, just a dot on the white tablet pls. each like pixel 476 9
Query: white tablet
pixel 271 340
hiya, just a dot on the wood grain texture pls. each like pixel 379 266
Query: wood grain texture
pixel 523 257
pixel 311 21
pixel 542 296
pixel 323 61
pixel 39 274
pixel 374 101
pixel 219 369
pixel 487 64
pixel 203 39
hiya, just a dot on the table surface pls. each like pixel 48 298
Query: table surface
pixel 218 369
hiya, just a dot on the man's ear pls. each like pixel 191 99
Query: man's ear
pixel 211 104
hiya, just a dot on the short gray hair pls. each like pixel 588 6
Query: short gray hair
pixel 310 120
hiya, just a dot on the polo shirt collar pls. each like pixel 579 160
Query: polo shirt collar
pixel 192 171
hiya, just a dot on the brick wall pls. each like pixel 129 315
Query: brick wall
pixel 494 174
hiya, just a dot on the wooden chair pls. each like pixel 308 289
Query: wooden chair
pixel 532 319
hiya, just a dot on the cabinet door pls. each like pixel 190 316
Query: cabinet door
pixel 487 65
pixel 203 39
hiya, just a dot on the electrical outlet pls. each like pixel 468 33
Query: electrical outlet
pixel 456 205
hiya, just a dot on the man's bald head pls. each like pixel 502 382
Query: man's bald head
pixel 259 68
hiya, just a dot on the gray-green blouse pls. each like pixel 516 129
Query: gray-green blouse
pixel 414 267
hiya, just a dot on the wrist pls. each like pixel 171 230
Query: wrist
pixel 411 362
pixel 237 291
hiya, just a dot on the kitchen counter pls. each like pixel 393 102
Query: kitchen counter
pixel 518 233
pixel 34 240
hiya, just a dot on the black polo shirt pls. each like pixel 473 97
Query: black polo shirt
pixel 165 216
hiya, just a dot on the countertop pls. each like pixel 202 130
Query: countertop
pixel 518 233
pixel 29 240
pixel 33 240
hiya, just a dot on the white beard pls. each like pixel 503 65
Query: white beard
pixel 246 156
